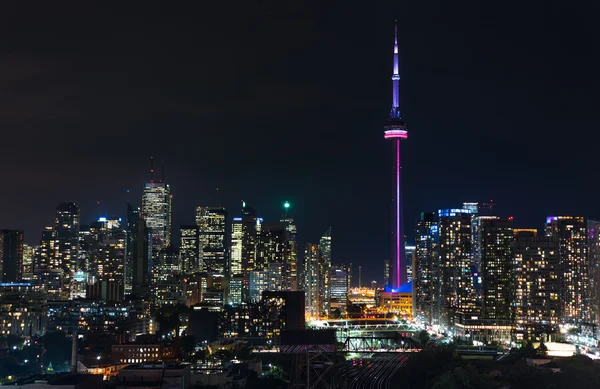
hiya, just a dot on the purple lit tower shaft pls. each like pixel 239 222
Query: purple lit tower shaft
pixel 397 130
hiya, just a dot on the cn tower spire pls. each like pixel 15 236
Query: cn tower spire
pixel 395 113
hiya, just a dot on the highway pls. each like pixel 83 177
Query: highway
pixel 375 372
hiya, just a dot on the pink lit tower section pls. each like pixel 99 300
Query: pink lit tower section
pixel 396 130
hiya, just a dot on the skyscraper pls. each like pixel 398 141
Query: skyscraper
pixel 273 247
pixel 102 247
pixel 156 212
pixel 213 236
pixel 275 253
pixel 131 225
pixel 496 270
pixel 387 272
pixel 141 265
pixel 339 279
pixel 110 263
pixel 454 258
pixel 324 272
pixel 311 279
pixel 425 278
pixel 538 283
pixel 11 255
pixel 570 234
pixel 409 252
pixel 250 230
pixel 45 256
pixel 291 250
pixel 593 230
pixel 251 227
pixel 235 262
pixel 28 259
pixel 66 229
pixel 189 248
pixel 396 130
pixel 316 276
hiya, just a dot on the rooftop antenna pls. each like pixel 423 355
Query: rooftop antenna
pixel 151 169
pixel 162 178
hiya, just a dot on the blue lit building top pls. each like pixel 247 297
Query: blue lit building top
pixel 453 212
pixel 405 288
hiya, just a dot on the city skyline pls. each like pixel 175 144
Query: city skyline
pixel 468 93
pixel 206 195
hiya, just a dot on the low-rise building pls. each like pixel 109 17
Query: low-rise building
pixel 153 376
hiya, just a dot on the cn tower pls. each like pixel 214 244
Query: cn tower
pixel 396 130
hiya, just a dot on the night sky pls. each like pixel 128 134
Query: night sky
pixel 278 100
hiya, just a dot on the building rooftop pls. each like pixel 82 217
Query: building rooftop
pixel 155 365
pixel 406 288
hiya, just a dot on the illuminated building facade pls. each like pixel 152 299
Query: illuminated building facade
pixel 409 253
pixel 251 227
pixel 277 244
pixel 291 250
pixel 136 353
pixel 170 292
pixel 269 279
pixel 316 281
pixel 11 255
pixel 387 272
pixel 110 263
pixel 362 296
pixel 339 279
pixel 50 281
pixel 311 279
pixel 399 302
pixel 156 212
pixel 454 258
pixel 89 241
pixel 280 311
pixel 235 262
pixel 593 230
pixel 23 314
pixel 397 130
pixel 165 266
pixel 425 277
pixel 496 270
pixel 235 290
pixel 538 283
pixel 235 322
pixel 131 225
pixel 28 258
pixel 66 246
pixel 257 283
pixel 213 236
pixel 189 248
pixel 102 255
pixel 475 249
pixel 45 257
pixel 570 232
pixel 324 282
pixel 105 290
